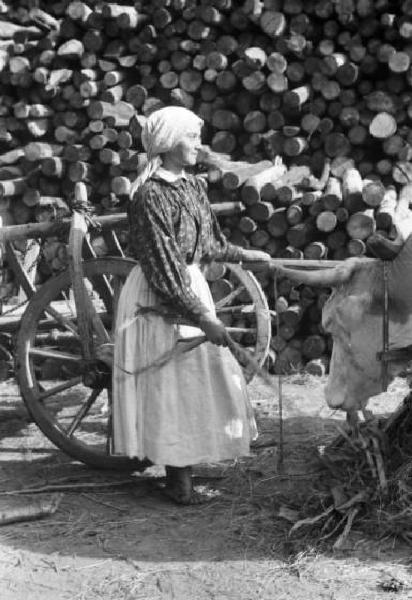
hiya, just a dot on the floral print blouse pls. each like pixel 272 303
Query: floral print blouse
pixel 171 225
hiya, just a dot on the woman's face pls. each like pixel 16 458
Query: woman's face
pixel 185 152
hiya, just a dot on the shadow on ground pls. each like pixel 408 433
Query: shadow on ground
pixel 126 523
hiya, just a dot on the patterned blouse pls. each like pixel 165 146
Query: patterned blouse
pixel 172 225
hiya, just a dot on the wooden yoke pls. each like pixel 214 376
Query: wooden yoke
pixel 88 320
pixel 295 263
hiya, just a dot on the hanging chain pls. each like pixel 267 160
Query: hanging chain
pixel 385 327
pixel 280 388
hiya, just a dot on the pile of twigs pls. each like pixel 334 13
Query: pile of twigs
pixel 366 482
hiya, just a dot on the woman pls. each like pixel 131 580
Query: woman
pixel 189 407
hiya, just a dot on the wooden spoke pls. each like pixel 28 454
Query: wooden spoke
pixel 52 337
pixel 109 437
pixel 77 235
pixel 60 388
pixel 113 244
pixel 101 332
pixel 88 318
pixel 100 282
pixel 69 303
pixel 55 354
pixel 104 288
pixel 117 284
pixel 242 308
pixel 63 320
pixel 230 297
pixel 241 329
pixel 96 316
pixel 82 413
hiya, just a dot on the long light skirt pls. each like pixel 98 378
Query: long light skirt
pixel 192 409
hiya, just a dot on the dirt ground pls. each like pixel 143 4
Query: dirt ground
pixel 126 542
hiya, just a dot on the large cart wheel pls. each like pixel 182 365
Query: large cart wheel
pixel 244 309
pixel 68 397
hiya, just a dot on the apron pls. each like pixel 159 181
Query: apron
pixel 193 408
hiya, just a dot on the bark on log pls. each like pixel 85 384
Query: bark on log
pixel 386 212
pixel 361 224
pixel 352 186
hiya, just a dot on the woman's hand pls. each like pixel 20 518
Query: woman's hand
pixel 214 330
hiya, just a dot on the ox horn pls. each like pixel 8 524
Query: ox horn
pixel 325 277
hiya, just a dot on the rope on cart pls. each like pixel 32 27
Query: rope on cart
pixel 29 269
pixel 385 327
pixel 88 212
pixel 280 387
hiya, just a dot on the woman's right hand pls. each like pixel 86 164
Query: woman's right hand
pixel 214 330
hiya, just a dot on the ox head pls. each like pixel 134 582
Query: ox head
pixel 353 316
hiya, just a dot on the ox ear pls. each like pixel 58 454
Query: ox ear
pixel 326 277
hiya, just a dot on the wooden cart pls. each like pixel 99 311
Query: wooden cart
pixel 69 323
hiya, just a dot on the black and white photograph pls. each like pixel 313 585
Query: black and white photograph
pixel 206 300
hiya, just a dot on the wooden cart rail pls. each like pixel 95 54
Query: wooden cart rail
pixel 50 228
pixel 11 233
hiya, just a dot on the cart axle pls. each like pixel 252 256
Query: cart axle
pixel 97 375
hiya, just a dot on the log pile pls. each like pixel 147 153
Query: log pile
pixel 326 85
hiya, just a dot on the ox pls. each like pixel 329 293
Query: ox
pixel 353 315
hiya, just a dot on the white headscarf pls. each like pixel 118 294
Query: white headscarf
pixel 162 131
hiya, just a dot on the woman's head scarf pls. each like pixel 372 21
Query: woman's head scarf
pixel 162 131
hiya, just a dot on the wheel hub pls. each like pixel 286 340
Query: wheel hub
pixel 97 375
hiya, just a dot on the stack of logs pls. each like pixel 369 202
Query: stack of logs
pixel 324 84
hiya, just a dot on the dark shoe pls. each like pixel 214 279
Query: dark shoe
pixel 383 247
